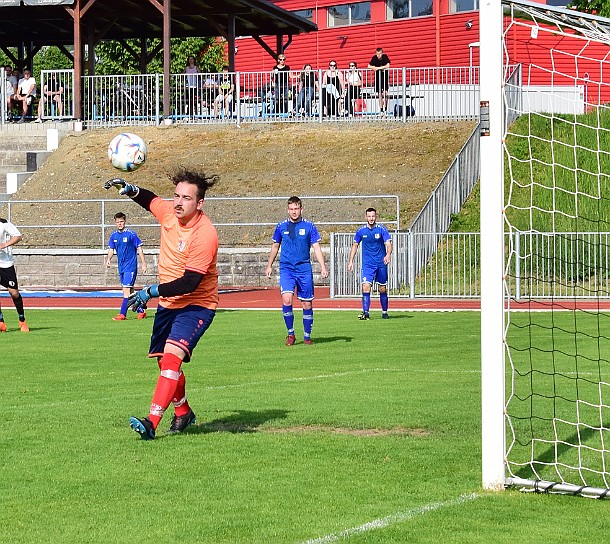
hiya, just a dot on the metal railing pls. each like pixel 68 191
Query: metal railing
pixel 539 265
pixel 446 200
pixel 36 218
pixel 414 94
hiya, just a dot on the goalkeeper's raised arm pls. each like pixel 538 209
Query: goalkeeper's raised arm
pixel 187 289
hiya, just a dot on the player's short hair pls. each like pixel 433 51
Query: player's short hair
pixel 120 215
pixel 200 179
pixel 371 210
pixel 379 49
pixel 295 200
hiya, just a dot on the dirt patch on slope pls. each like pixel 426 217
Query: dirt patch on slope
pixel 254 160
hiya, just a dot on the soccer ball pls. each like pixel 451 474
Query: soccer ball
pixel 127 152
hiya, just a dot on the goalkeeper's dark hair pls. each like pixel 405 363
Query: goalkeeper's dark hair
pixel 120 215
pixel 371 210
pixel 200 179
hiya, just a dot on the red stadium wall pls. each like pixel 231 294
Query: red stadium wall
pixel 441 39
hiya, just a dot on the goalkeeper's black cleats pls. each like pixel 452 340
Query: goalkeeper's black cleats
pixel 143 427
pixel 179 423
pixel 364 316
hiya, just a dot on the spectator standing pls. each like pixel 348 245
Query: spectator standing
pixel 188 290
pixel 26 91
pixel 9 236
pixel 128 246
pixel 192 85
pixel 380 64
pixel 332 89
pixel 376 255
pixel 281 75
pixel 52 91
pixel 353 81
pixel 308 85
pixel 296 236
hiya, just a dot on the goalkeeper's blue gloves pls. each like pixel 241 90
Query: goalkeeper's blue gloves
pixel 124 188
pixel 138 299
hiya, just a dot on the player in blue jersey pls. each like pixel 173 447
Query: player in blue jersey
pixel 128 246
pixel 376 254
pixel 296 236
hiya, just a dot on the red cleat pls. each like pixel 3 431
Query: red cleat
pixel 290 340
pixel 119 317
pixel 2 326
pixel 307 341
pixel 142 315
pixel 24 326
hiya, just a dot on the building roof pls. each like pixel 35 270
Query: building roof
pixel 50 22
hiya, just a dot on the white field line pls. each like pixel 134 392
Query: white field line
pixel 393 519
pixel 192 388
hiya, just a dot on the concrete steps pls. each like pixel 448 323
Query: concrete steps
pixel 23 148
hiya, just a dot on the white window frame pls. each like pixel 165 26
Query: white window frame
pixel 331 20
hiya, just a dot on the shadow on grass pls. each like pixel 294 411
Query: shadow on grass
pixel 242 421
pixel 328 339
pixel 560 449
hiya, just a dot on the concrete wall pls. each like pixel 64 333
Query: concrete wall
pixel 82 269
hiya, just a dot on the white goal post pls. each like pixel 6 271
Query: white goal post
pixel 545 172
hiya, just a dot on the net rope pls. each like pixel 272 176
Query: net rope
pixel 557 230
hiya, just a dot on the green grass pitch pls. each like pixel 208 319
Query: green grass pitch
pixel 372 434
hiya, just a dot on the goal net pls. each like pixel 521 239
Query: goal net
pixel 545 131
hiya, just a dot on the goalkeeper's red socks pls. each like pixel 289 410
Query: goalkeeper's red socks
pixel 167 384
pixel 181 405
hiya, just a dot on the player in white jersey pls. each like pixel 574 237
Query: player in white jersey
pixel 9 236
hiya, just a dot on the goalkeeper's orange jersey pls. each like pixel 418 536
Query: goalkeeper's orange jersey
pixel 194 249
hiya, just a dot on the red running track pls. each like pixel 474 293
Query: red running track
pixel 269 298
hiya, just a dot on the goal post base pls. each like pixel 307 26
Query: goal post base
pixel 543 486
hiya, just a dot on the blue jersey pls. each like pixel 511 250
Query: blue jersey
pixel 295 240
pixel 373 242
pixel 126 245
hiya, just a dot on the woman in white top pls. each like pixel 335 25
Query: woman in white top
pixel 353 81
pixel 192 85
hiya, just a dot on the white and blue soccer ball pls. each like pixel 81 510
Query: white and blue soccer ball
pixel 127 152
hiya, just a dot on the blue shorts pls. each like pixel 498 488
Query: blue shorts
pixel 301 279
pixel 182 327
pixel 373 273
pixel 128 278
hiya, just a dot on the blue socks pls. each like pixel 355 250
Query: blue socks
pixel 307 322
pixel 288 318
pixel 124 306
pixel 383 298
pixel 366 302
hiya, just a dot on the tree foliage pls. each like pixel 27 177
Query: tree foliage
pixel 113 57
pixel 595 7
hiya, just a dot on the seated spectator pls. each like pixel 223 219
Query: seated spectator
pixel 26 91
pixel 226 88
pixel 332 90
pixel 9 90
pixel 307 90
pixel 53 92
pixel 209 92
pixel 353 81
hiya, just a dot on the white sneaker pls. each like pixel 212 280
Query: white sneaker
pixel 38 120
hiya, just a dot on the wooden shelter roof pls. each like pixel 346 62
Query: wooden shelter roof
pixel 51 22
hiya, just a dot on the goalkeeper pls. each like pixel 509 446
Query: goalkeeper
pixel 188 290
